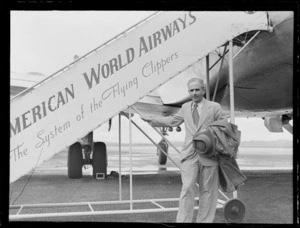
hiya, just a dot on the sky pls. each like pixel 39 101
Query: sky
pixel 46 41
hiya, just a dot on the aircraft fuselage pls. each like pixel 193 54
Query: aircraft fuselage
pixel 263 71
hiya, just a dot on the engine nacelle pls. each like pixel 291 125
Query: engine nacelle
pixel 275 123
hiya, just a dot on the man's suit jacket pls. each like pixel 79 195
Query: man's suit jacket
pixel 210 112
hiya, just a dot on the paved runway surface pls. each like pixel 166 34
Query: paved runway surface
pixel 267 196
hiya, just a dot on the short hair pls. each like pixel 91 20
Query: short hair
pixel 196 79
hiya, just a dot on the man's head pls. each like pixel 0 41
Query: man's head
pixel 196 89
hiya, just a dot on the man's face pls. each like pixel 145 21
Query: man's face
pixel 196 91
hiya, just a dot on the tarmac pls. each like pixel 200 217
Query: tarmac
pixel 267 195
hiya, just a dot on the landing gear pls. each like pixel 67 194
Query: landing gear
pixel 99 161
pixel 75 161
pixel 80 154
pixel 162 158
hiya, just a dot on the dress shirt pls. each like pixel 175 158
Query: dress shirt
pixel 200 104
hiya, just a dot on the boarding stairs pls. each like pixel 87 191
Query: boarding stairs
pixel 64 107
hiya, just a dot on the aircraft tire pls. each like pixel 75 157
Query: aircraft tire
pixel 75 161
pixel 162 158
pixel 99 159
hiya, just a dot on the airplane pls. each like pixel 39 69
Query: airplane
pixel 263 87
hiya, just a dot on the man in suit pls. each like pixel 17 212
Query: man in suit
pixel 196 115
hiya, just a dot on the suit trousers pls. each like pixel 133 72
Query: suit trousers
pixel 192 171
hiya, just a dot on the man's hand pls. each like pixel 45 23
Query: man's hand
pixel 147 118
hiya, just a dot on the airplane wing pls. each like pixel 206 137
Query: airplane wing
pixel 21 81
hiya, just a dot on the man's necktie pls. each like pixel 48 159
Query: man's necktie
pixel 195 115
